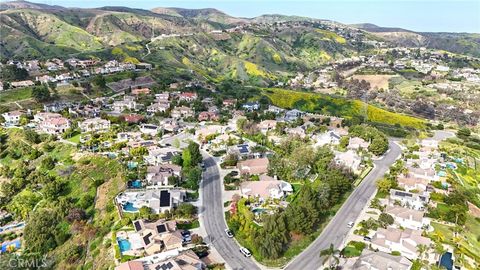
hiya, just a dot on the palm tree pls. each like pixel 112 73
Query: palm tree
pixel 421 249
pixel 330 253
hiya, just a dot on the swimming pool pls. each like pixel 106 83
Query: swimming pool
pixel 136 184
pixel 129 207
pixel 124 245
pixel 446 260
pixel 15 243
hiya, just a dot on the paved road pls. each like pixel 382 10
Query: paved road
pixel 337 229
pixel 212 218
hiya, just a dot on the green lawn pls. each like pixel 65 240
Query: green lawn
pixel 188 226
pixel 15 94
pixel 75 139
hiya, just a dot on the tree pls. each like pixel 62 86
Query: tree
pixel 99 81
pixel 329 254
pixel 32 136
pixel 464 133
pixel 144 211
pixel 378 146
pixel 385 219
pixel 42 231
pixel 41 93
pixel 13 73
pixel 48 163
pixel 384 185
pixel 186 210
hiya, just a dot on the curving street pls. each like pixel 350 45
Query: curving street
pixel 212 218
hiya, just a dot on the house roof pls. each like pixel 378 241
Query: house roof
pixel 381 260
pixel 131 265
pixel 404 213
pixel 254 166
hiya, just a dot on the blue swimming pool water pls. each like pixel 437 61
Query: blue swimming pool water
pixel 137 184
pixel 15 243
pixel 129 207
pixel 446 260
pixel 124 245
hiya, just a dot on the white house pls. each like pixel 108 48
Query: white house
pixel 410 200
pixel 94 125
pixel 54 126
pixel 349 159
pixel 12 118
pixel 266 189
pixel 329 137
pixel 159 200
pixel 408 218
pixel 158 175
pixel 404 241
pixel 150 129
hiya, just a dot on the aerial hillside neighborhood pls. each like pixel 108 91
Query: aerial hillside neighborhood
pixel 185 139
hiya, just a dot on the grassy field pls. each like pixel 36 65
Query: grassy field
pixel 324 104
pixel 15 95
pixel 376 81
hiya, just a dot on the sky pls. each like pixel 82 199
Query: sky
pixel 419 15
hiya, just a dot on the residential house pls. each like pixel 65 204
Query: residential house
pixel 94 125
pixel 293 115
pixel 158 107
pixel 267 125
pixel 229 103
pixel 151 237
pixel 208 116
pixel 296 131
pixel 348 159
pixel 404 241
pixel 128 103
pixel 129 136
pixel 42 116
pixel 162 97
pixel 412 183
pixel 329 137
pixel 408 199
pixel 150 129
pixel 188 96
pixel 133 118
pixel 275 109
pixel 22 84
pixel 159 155
pixel 427 174
pixel 408 218
pixel 54 126
pixel 12 118
pixel 357 143
pixel 266 189
pixel 371 260
pixel 181 112
pixel 251 106
pixel 158 175
pixel 187 260
pixel 254 166
pixel 140 91
pixel 158 200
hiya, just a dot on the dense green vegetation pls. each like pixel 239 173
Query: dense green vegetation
pixel 284 233
pixel 318 103
pixel 57 198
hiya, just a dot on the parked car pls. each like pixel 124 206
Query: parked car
pixel 245 252
pixel 350 224
pixel 229 233
pixel 366 238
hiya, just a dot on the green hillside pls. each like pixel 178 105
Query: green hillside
pixel 318 103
